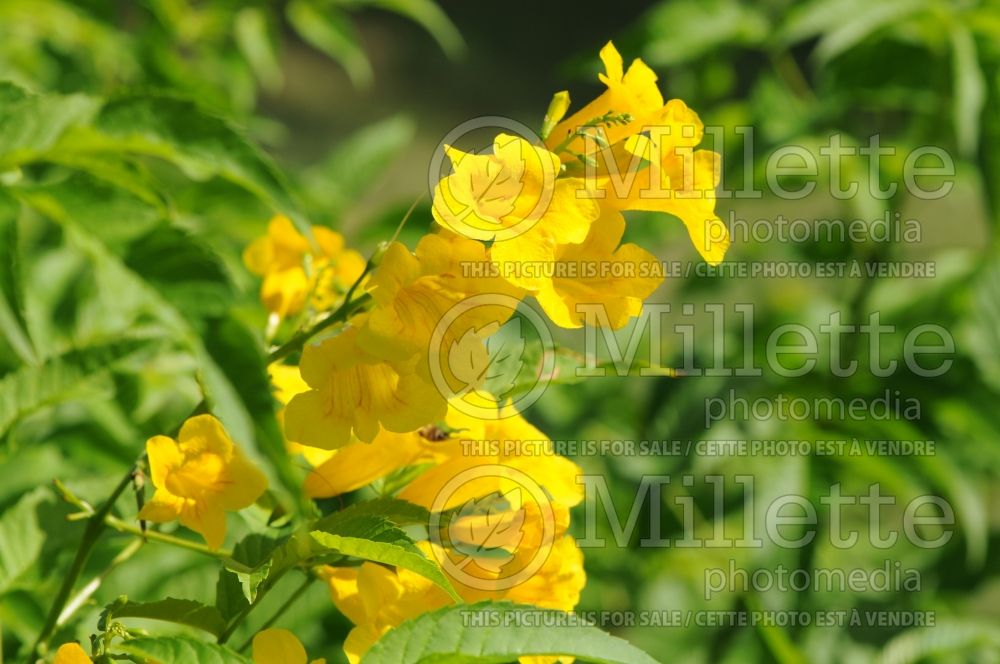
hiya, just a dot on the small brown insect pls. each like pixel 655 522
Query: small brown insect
pixel 434 433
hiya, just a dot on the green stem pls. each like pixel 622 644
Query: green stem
pixel 123 526
pixel 241 616
pixel 299 340
pixel 88 590
pixel 294 597
pixel 95 527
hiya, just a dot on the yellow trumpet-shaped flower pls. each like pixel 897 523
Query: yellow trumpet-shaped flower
pixel 199 477
pixel 280 257
pixel 510 446
pixel 287 382
pixel 359 464
pixel 513 198
pixel 633 93
pixel 279 646
pixel 488 196
pixel 640 153
pixel 71 653
pixel 355 393
pixel 616 276
pixel 414 291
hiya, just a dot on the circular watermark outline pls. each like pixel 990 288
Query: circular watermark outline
pixel 521 402
pixel 435 174
pixel 457 571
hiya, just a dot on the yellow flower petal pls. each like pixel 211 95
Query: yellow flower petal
pixel 71 653
pixel 199 477
pixel 617 278
pixel 277 646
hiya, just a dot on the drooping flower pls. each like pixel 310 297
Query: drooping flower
pixel 414 291
pixel 507 442
pixel 359 464
pixel 293 268
pixel 616 276
pixel 639 153
pixel 356 393
pixel 71 653
pixel 279 646
pixel 632 94
pixel 199 477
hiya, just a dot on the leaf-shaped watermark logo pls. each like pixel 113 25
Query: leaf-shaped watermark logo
pixel 475 367
pixel 488 531
pixel 497 541
pixel 506 359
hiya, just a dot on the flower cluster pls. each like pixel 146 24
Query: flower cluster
pixel 362 409
pixel 363 404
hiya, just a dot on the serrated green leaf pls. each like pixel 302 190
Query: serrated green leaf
pixel 180 132
pixel 180 611
pixel 491 633
pixel 21 538
pixel 30 124
pixel 254 553
pixel 230 599
pixel 61 378
pixel 181 650
pixel 506 355
pixel 13 324
pixel 399 512
pixel 114 215
pixel 377 539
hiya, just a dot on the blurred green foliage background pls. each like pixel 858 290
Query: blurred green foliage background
pixel 126 237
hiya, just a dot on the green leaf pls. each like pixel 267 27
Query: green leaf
pixel 181 650
pixel 12 319
pixel 399 512
pixel 492 633
pixel 330 31
pixel 112 213
pixel 180 132
pixel 180 611
pixel 21 538
pixel 379 540
pixel 431 17
pixel 970 90
pixel 254 553
pixel 862 23
pixel 62 378
pixel 30 124
pixel 257 44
